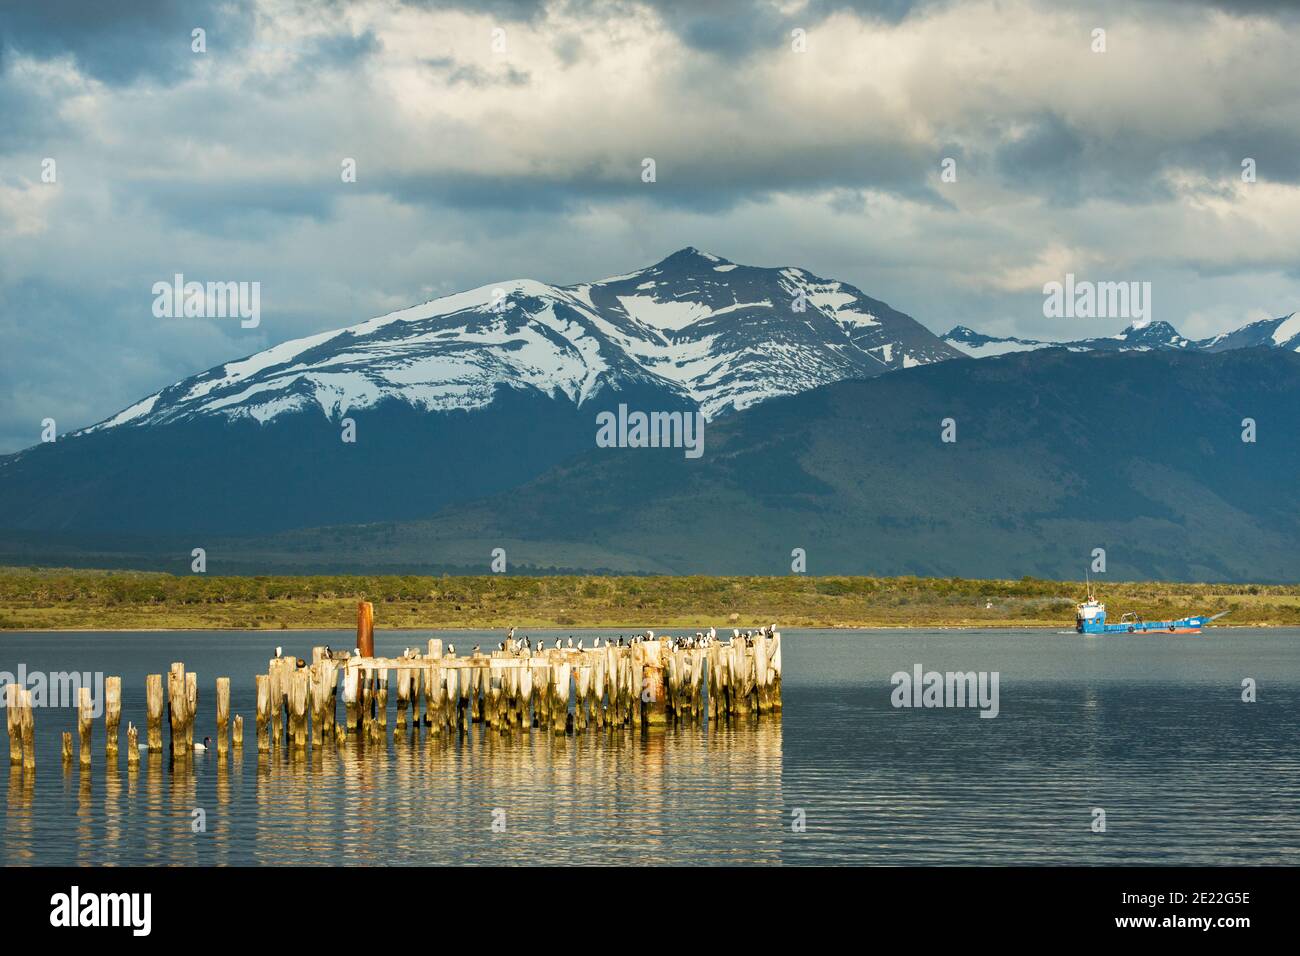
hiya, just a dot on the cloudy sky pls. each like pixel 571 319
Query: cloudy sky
pixel 505 139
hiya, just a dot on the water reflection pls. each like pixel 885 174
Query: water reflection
pixel 1155 732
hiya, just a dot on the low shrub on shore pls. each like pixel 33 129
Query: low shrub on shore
pixel 34 598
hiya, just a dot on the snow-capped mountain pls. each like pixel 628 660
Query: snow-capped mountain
pixel 719 335
pixel 1283 333
pixel 467 395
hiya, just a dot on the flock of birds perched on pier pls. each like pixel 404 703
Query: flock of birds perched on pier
pixel 701 639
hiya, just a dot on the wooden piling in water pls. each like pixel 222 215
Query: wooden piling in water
pixel 351 693
pixel 275 695
pixel 237 733
pixel 85 722
pixel 176 705
pixel 403 697
pixel 381 701
pixel 435 687
pixel 322 681
pixel 153 701
pixel 13 723
pixel 298 709
pixel 262 716
pixel 223 716
pixel 112 716
pixel 27 728
pixel 191 708
pixel 132 746
pixel 66 748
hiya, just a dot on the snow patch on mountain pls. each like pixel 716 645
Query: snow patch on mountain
pixel 1287 331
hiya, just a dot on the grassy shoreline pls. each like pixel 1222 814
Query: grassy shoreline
pixel 55 599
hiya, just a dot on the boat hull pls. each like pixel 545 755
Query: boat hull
pixel 1191 625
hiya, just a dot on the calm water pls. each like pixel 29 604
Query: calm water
pixel 1152 730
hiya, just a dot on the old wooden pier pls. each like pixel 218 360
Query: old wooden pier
pixel 651 682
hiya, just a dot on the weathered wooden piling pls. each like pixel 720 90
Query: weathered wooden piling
pixel 774 671
pixel 262 717
pixel 112 716
pixel 381 701
pixel 237 733
pixel 13 723
pixel 132 745
pixel 351 696
pixel 85 723
pixel 177 704
pixel 191 708
pixel 27 728
pixel 275 691
pixel 223 716
pixel 322 679
pixel 298 709
pixel 403 697
pixel 65 748
pixel 153 701
pixel 435 688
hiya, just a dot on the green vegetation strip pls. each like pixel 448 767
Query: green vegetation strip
pixel 59 599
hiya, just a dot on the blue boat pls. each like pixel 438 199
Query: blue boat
pixel 1090 618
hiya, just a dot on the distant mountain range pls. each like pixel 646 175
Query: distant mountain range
pixel 1056 453
pixel 475 421
pixel 1282 333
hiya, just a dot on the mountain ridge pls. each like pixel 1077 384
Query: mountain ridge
pixel 1282 333
pixel 693 323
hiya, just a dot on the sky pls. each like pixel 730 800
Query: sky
pixel 506 139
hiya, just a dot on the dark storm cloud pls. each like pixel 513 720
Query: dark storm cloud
pixel 121 42
pixel 1067 165
pixel 703 183
pixel 724 27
